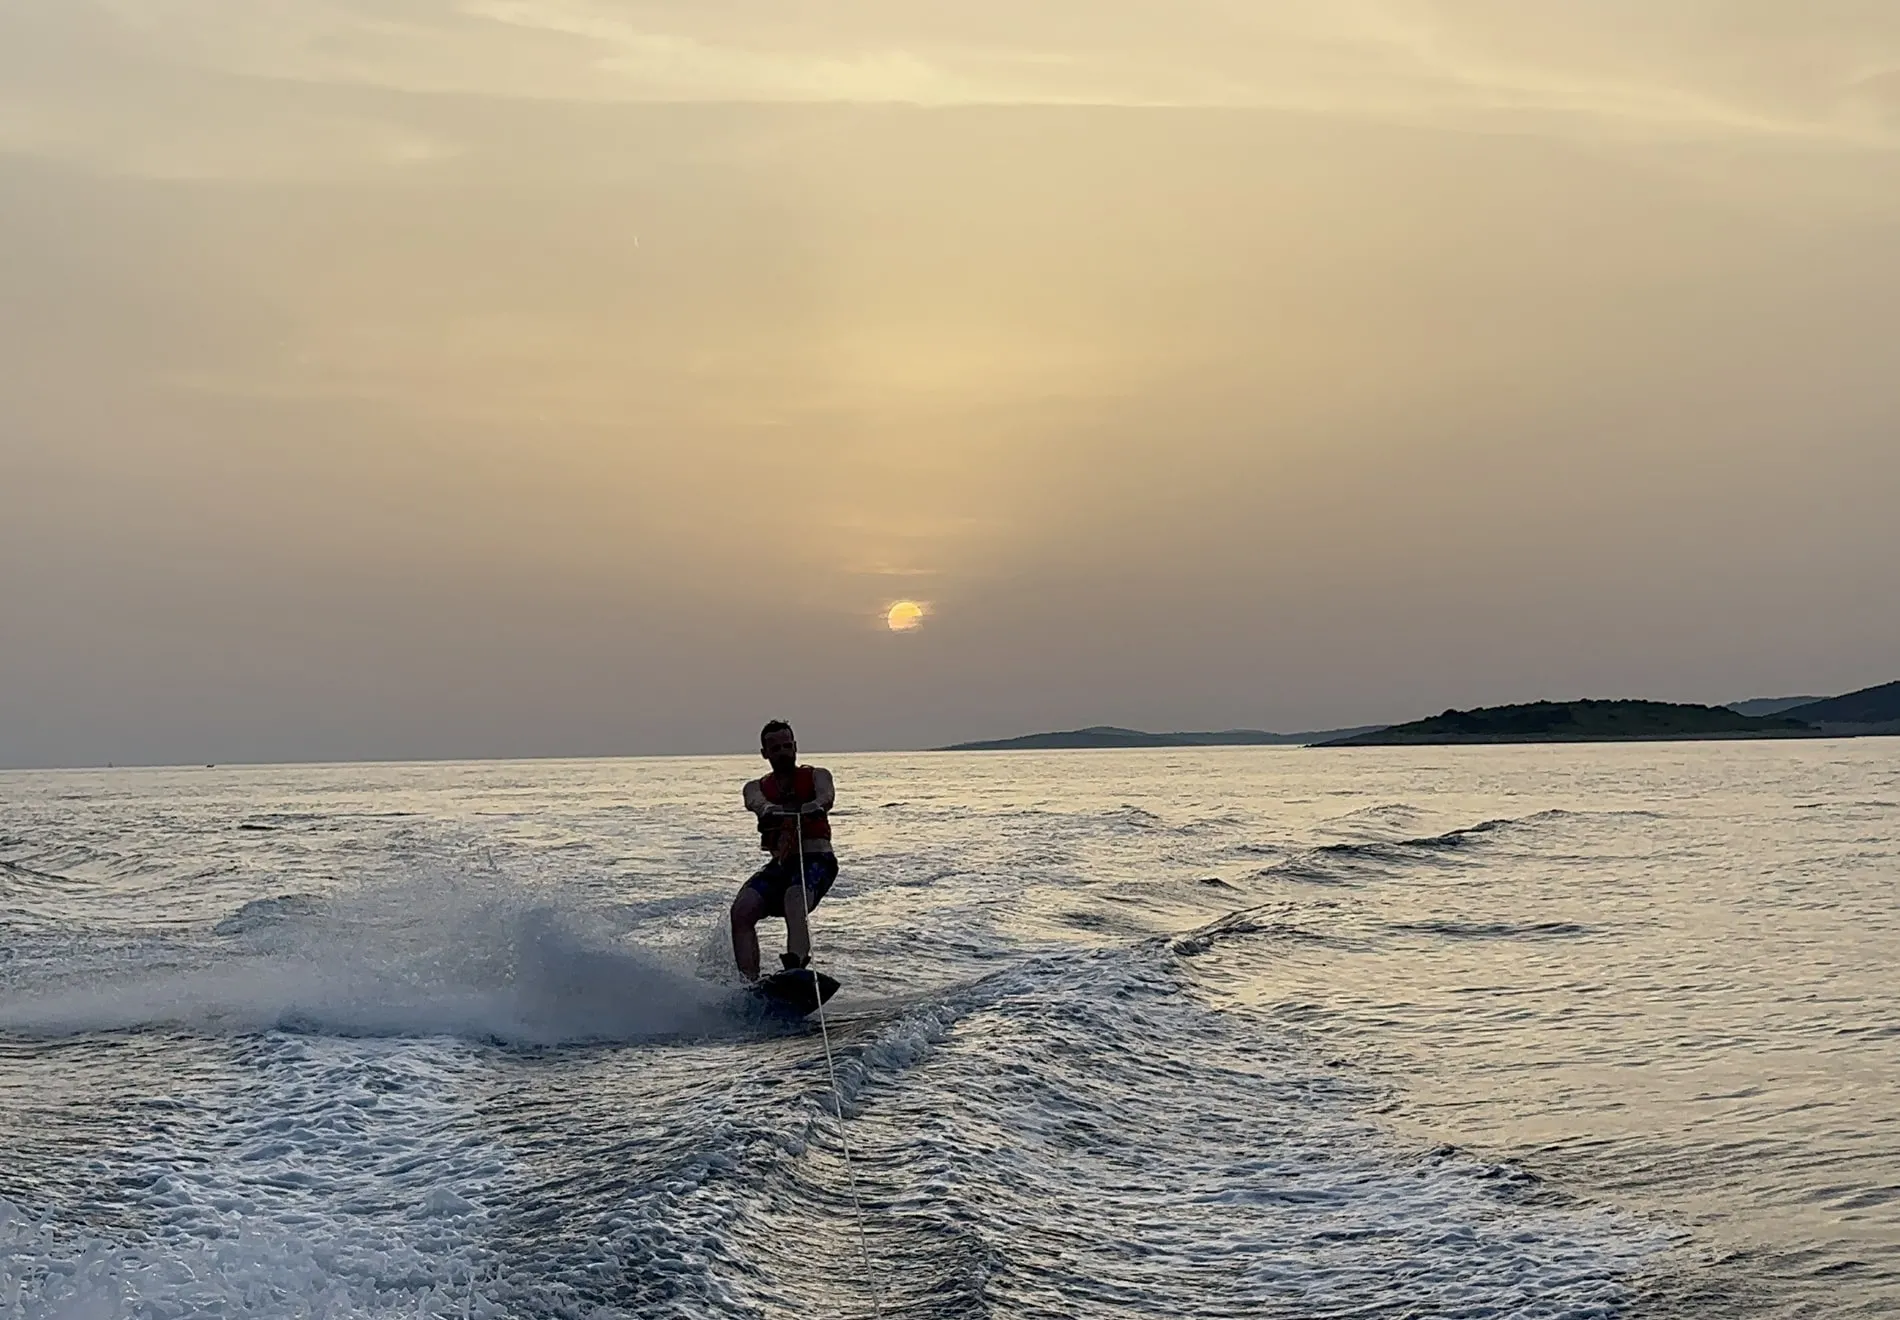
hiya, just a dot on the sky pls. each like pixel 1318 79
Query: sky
pixel 422 378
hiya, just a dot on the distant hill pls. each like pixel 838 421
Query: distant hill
pixel 1770 705
pixel 1580 721
pixel 1108 735
pixel 1874 710
pixel 1869 710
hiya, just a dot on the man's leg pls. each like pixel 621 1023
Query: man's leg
pixel 747 908
pixel 797 929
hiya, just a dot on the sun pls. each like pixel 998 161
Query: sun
pixel 904 616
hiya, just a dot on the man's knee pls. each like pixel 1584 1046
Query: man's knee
pixel 747 908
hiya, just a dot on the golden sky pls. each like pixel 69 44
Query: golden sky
pixel 418 378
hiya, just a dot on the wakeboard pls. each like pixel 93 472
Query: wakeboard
pixel 797 990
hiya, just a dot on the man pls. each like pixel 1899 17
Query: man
pixel 791 801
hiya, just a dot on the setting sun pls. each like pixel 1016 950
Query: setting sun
pixel 904 616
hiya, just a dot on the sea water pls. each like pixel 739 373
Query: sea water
pixel 1533 1031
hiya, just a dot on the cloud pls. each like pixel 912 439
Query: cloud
pixel 1728 69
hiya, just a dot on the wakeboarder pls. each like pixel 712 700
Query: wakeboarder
pixel 792 804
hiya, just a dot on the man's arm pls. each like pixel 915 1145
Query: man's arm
pixel 824 792
pixel 755 800
pixel 824 795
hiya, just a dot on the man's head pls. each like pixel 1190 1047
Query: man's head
pixel 779 745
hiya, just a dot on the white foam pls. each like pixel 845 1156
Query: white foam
pixel 49 1273
pixel 1244 1172
pixel 437 956
pixel 335 1178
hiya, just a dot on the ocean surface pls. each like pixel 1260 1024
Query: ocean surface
pixel 1527 1031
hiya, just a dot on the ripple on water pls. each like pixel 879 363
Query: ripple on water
pixel 1519 989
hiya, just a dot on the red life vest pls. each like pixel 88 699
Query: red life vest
pixel 813 824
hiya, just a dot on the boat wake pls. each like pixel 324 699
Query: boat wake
pixel 480 959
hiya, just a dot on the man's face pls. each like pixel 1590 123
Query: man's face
pixel 780 748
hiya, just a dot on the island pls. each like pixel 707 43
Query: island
pixel 1581 721
pixel 1111 736
pixel 1870 711
pixel 1770 705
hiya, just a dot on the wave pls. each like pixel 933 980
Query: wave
pixel 49 1273
pixel 1058 1093
pixel 262 912
pixel 33 873
pixel 477 960
pixel 985 1124
pixel 1392 813
pixel 1332 863
pixel 1131 818
pixel 1491 930
pixel 1259 921
pixel 69 862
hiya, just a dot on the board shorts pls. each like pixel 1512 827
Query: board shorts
pixel 771 883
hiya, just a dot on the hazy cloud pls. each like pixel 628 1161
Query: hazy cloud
pixel 421 378
pixel 1740 68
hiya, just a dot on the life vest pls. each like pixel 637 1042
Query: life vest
pixel 814 825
